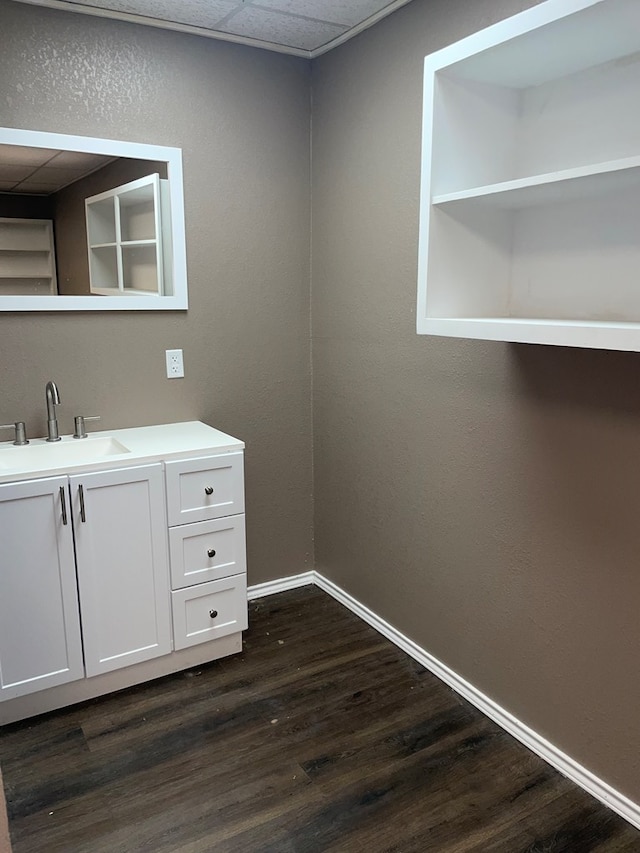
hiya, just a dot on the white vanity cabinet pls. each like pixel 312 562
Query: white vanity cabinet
pixel 89 601
pixel 121 552
pixel 40 643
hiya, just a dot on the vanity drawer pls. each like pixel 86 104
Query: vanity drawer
pixel 209 610
pixel 200 489
pixel 207 551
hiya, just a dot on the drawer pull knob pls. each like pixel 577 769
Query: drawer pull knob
pixel 208 490
pixel 211 552
pixel 213 613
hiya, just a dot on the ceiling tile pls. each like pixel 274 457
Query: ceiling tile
pixel 196 13
pixel 79 160
pixel 13 154
pixel 59 177
pixel 61 168
pixel 335 11
pixel 35 189
pixel 281 28
pixel 10 172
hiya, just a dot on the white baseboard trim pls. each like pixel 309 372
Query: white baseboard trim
pixel 550 753
pixel 259 590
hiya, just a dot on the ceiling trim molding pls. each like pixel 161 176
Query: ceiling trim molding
pixel 190 29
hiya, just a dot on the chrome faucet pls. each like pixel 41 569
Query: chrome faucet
pixel 53 400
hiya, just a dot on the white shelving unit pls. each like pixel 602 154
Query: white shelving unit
pixel 27 257
pixel 530 195
pixel 126 241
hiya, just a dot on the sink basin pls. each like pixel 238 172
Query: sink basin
pixel 41 454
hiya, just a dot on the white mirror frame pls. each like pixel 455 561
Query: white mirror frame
pixel 114 148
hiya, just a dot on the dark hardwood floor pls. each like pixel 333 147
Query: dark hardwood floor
pixel 321 736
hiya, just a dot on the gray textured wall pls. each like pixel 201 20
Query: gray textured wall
pixel 241 117
pixel 482 497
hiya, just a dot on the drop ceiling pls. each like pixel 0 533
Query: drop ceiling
pixel 42 171
pixel 301 27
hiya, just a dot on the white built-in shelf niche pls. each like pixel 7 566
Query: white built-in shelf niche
pixel 530 202
pixel 27 257
pixel 126 243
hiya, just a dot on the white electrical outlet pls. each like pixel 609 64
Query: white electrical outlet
pixel 175 364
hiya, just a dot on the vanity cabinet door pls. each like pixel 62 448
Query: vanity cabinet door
pixel 40 643
pixel 123 575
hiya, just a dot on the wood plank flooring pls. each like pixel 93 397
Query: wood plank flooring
pixel 5 844
pixel 322 737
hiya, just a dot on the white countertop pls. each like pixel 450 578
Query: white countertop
pixel 143 444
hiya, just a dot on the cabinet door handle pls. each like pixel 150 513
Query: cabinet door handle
pixel 213 613
pixel 208 490
pixel 83 515
pixel 64 505
pixel 211 553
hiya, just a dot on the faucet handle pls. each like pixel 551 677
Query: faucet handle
pixel 20 432
pixel 79 430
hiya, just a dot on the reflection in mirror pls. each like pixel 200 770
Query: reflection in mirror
pixel 82 219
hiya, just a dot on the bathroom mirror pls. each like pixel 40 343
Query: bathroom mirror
pixel 132 255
